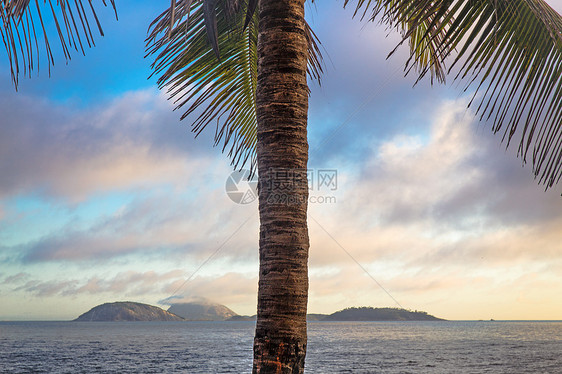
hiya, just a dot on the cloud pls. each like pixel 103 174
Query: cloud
pixel 539 243
pixel 17 278
pixel 71 153
pixel 128 283
pixel 451 197
pixel 236 290
pixel 180 299
pixel 161 225
pixel 46 289
pixel 410 175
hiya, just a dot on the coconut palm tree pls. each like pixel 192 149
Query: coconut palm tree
pixel 243 66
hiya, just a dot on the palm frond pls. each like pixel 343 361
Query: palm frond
pixel 20 20
pixel 510 51
pixel 206 59
pixel 187 66
pixel 421 27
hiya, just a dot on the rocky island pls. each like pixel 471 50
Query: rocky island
pixel 379 314
pixel 126 311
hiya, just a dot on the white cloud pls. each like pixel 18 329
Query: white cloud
pixel 172 224
pixel 452 177
pixel 133 142
pixel 130 282
pixel 235 290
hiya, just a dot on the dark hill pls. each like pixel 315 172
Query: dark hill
pixel 379 314
pixel 316 317
pixel 126 311
pixel 202 311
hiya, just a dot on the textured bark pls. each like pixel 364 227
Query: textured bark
pixel 282 150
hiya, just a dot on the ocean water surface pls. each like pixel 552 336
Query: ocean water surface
pixel 333 347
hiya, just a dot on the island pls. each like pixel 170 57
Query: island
pixel 379 314
pixel 126 311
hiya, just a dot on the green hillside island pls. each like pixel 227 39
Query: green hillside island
pixel 379 314
pixel 126 311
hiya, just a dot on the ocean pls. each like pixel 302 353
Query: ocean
pixel 333 347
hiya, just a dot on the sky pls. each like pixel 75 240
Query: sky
pixel 106 196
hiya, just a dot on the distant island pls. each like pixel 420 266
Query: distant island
pixel 208 311
pixel 379 314
pixel 126 311
pixel 362 314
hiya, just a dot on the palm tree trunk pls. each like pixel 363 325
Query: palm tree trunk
pixel 282 151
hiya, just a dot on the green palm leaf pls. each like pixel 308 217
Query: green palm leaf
pixel 20 35
pixel 206 58
pixel 421 27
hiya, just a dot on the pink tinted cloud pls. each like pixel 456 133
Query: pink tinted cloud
pixel 134 141
pixel 122 284
pixel 450 196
